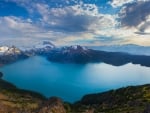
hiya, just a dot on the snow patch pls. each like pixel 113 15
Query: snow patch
pixel 3 49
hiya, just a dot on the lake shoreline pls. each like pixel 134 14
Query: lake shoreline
pixel 52 79
pixel 91 99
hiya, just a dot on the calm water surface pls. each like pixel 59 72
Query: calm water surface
pixel 72 81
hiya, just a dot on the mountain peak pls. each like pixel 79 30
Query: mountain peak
pixel 44 44
pixel 75 48
pixel 78 47
pixel 3 49
pixel 9 50
pixel 48 43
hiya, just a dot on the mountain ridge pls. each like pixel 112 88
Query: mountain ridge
pixel 128 48
pixel 71 54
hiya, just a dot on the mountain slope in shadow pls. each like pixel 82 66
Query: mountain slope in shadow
pixel 82 56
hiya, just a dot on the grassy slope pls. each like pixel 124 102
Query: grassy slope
pixel 13 99
pixel 133 99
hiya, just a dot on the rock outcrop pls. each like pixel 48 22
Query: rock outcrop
pixel 53 105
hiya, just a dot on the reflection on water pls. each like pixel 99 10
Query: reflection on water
pixel 72 81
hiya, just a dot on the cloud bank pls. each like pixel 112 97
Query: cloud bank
pixel 79 22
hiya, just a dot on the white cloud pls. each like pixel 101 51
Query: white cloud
pixel 15 30
pixel 72 24
pixel 144 27
pixel 13 26
pixel 136 15
pixel 119 3
pixel 77 18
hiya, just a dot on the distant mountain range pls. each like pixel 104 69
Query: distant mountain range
pixel 75 54
pixel 82 55
pixel 129 48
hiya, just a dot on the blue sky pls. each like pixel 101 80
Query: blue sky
pixel 72 22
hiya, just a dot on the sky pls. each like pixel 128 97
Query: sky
pixel 75 22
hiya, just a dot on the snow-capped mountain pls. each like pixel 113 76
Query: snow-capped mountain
pixel 71 54
pixel 39 45
pixel 39 49
pixel 74 49
pixel 10 54
pixel 81 55
pixel 129 48
pixel 5 50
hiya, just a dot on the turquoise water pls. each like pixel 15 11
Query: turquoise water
pixel 71 81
